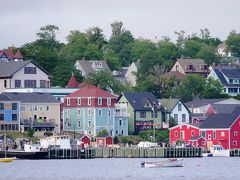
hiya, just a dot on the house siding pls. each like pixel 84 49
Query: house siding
pixel 235 128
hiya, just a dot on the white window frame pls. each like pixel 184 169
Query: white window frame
pixel 222 134
pixel 192 133
pixel 109 113
pixel 89 123
pixel 79 101
pixel 78 112
pixel 235 133
pixel 234 143
pixel 89 101
pixel 175 134
pixel 79 123
pixel 209 137
pixel 109 101
pixel 99 112
pixel 99 101
pixel 89 112
pixel 68 101
pixel 67 112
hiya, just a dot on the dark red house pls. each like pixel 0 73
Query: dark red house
pixel 198 141
pixel 104 140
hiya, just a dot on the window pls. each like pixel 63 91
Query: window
pixel 222 134
pixel 116 131
pixel 14 117
pixel 176 118
pixel 79 112
pixel 142 114
pixel 68 112
pixel 182 135
pixel 120 122
pixel 1 106
pixel 204 134
pixel 42 83
pixel 22 108
pixel 175 134
pixel 179 107
pixel 99 101
pixel 30 84
pixel 177 68
pixel 17 83
pixel 68 101
pixel 79 101
pixel 214 134
pixel 30 70
pixel 99 112
pixel 109 113
pixel 79 123
pixel 14 106
pixel 232 90
pixel 89 124
pixel 109 101
pixel 183 117
pixel 1 117
pixel 47 108
pixel 89 112
pixel 209 137
pixel 122 132
pixel 5 83
pixel 89 101
pixel 41 108
pixel 234 143
pixel 235 133
pixel 230 81
pixel 192 133
pixel 68 123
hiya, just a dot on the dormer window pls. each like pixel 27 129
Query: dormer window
pixel 230 81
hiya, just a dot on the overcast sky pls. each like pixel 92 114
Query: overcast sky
pixel 22 19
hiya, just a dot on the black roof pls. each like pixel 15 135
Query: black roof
pixel 138 100
pixel 224 108
pixel 195 138
pixel 4 97
pixel 221 120
pixel 201 102
pixel 32 97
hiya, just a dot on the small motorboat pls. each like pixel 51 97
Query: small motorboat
pixel 6 159
pixel 172 162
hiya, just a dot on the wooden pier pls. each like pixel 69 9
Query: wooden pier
pixel 147 152
pixel 71 153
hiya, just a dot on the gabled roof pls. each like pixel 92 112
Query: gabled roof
pixel 9 53
pixel 18 55
pixel 224 108
pixel 169 103
pixel 87 65
pixel 32 97
pixel 72 83
pixel 7 69
pixel 121 73
pixel 91 91
pixel 139 99
pixel 186 124
pixel 195 138
pixel 194 62
pixel 221 121
pixel 201 102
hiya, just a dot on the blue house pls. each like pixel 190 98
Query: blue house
pixel 9 114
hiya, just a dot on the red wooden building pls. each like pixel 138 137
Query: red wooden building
pixel 217 129
pixel 104 141
pixel 222 129
pixel 183 132
pixel 85 139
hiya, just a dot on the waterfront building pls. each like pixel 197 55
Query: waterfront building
pixel 89 110
pixel 40 111
pixel 144 109
pixel 9 114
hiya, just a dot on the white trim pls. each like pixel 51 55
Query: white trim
pixel 235 121
pixel 183 125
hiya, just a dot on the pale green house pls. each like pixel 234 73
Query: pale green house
pixel 144 109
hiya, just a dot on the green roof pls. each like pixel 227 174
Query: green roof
pixel 169 103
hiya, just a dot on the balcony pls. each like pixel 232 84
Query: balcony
pixel 38 122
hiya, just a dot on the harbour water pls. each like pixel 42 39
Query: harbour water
pixel 120 169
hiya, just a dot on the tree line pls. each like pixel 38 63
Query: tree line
pixel 121 49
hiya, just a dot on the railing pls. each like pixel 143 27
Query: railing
pixel 122 114
pixel 38 122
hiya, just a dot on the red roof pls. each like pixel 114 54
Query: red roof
pixel 72 83
pixel 91 91
pixel 9 53
pixel 18 55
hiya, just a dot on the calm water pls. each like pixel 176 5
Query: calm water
pixel 110 169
